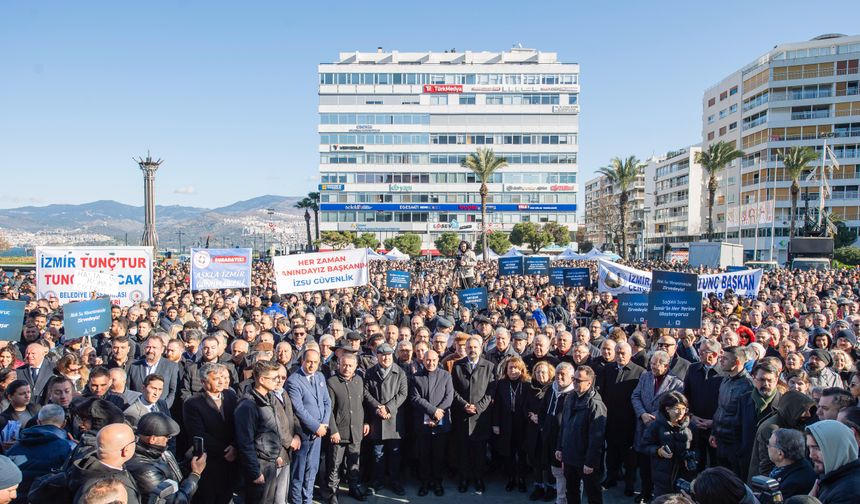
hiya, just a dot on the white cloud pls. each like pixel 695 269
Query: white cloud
pixel 186 190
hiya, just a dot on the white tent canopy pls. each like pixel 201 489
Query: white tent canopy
pixel 490 254
pixel 373 255
pixel 512 253
pixel 571 255
pixel 396 255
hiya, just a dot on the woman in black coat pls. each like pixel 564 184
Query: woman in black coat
pixel 533 408
pixel 20 411
pixel 667 442
pixel 509 420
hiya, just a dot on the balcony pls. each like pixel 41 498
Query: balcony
pixel 801 95
pixel 810 114
pixel 755 122
pixel 805 74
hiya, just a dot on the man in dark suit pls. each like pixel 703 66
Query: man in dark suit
pixel 149 401
pixel 347 428
pixel 192 382
pixel 432 395
pixel 474 386
pixel 153 363
pixel 312 405
pixel 209 415
pixel 385 391
pixel 37 371
pixel 616 383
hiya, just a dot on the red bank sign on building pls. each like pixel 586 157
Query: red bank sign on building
pixel 443 88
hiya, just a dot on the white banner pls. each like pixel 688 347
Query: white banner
pixel 76 273
pixel 321 270
pixel 618 279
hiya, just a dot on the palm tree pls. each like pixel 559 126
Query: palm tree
pixel 306 203
pixel 483 164
pixel 713 160
pixel 315 199
pixel 796 161
pixel 623 173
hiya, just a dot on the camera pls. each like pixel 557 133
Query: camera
pixel 766 490
pixel 691 461
pixel 684 486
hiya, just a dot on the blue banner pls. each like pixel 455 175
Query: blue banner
pixel 577 277
pixel 673 281
pixel 510 266
pixel 220 268
pixel 733 269
pixel 398 279
pixel 474 299
pixel 680 310
pixel 537 265
pixel 86 318
pixel 11 320
pixel 556 276
pixel 449 207
pixel 632 308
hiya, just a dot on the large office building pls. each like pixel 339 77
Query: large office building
pixel 395 126
pixel 798 94
pixel 602 217
pixel 676 195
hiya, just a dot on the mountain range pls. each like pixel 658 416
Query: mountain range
pixel 232 224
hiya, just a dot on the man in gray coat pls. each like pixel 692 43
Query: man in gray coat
pixel 385 391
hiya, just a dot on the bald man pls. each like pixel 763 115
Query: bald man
pixel 115 445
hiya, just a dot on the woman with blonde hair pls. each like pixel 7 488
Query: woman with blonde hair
pixel 509 420
pixel 543 375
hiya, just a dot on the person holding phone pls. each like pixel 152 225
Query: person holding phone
pixel 667 441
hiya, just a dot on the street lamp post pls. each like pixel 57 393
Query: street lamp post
pixel 308 224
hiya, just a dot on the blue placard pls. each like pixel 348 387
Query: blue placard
pixel 86 318
pixel 221 268
pixel 510 266
pixel 398 279
pixel 681 310
pixel 474 299
pixel 632 308
pixel 556 276
pixel 450 207
pixel 732 269
pixel 537 265
pixel 673 281
pixel 11 319
pixel 577 277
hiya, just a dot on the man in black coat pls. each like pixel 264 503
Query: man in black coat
pixel 37 371
pixel 347 428
pixel 432 394
pixel 583 432
pixel 385 391
pixel 209 415
pixel 702 387
pixel 262 456
pixel 474 386
pixel 191 382
pixel 616 384
pixel 755 406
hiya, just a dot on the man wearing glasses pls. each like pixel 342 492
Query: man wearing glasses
pixel 678 367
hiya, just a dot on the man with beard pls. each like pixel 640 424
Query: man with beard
pixel 833 452
pixel 474 386
pixel 726 436
pixel 756 406
pixel 153 363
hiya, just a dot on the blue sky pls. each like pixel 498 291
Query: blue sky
pixel 225 92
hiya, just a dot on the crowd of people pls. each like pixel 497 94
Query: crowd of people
pixel 250 396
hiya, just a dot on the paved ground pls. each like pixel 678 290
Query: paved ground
pixel 495 494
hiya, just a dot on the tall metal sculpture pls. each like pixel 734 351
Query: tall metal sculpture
pixel 149 166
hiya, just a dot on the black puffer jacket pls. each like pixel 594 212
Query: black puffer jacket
pixel 583 430
pixel 842 485
pixel 84 473
pixel 258 436
pixel 151 465
pixel 678 438
pixel 727 419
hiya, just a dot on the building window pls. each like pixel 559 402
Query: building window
pixel 733 91
pixel 733 126
pixel 439 100
pixel 722 131
pixel 712 118
pixel 711 102
pixel 467 99
pixel 572 99
pixel 724 95
pixel 711 135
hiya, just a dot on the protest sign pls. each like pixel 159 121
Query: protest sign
pixel 674 281
pixel 556 276
pixel 398 279
pixel 474 299
pixel 76 273
pixel 733 269
pixel 220 268
pixel 744 283
pixel 536 265
pixel 681 310
pixel 618 279
pixel 510 266
pixel 577 277
pixel 86 318
pixel 632 308
pixel 320 270
pixel 11 319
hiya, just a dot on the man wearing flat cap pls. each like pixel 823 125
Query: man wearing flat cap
pixel 820 374
pixel 385 391
pixel 153 463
